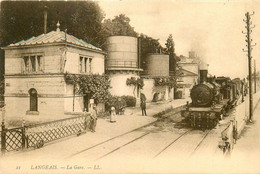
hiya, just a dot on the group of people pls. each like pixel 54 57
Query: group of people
pixel 114 112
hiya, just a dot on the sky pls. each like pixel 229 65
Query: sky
pixel 211 28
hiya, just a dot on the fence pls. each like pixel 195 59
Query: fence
pixel 36 135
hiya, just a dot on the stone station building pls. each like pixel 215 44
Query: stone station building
pixel 35 70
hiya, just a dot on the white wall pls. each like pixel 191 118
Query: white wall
pixel 149 90
pixel 72 63
pixel 119 87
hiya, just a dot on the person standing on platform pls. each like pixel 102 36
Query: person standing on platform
pixel 93 116
pixel 112 115
pixel 143 104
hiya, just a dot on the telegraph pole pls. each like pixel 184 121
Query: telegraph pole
pixel 249 49
pixel 255 75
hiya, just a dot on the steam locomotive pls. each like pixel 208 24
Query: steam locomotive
pixel 211 99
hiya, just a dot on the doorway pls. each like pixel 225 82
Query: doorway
pixel 86 99
pixel 33 100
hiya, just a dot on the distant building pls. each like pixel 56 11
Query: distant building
pixel 190 69
pixel 34 74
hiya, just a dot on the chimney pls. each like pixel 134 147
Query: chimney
pixel 192 54
pixel 45 19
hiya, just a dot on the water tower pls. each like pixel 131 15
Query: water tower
pixel 123 62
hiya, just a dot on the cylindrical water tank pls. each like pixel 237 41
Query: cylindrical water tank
pixel 122 51
pixel 157 64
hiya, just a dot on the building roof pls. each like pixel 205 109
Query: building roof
pixel 188 73
pixel 54 37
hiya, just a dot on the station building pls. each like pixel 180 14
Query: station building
pixel 35 69
pixel 190 73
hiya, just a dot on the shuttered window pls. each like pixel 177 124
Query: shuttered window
pixel 32 63
pixel 85 64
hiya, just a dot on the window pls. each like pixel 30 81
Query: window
pixel 33 100
pixel 85 64
pixel 26 63
pixel 81 64
pixel 90 65
pixel 33 63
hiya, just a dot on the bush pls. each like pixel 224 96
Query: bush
pixel 103 114
pixel 130 100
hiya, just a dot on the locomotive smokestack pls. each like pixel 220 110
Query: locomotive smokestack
pixel 203 72
pixel 192 54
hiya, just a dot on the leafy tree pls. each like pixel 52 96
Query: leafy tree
pixel 23 19
pixel 171 51
pixel 120 25
pixel 148 45
pixel 173 59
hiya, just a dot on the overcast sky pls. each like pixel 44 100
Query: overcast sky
pixel 212 28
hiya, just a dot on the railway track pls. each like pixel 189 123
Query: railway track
pixel 119 136
pixel 110 146
pixel 164 150
pixel 176 139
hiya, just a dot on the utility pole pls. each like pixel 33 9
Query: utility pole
pixel 249 49
pixel 255 75
pixel 45 19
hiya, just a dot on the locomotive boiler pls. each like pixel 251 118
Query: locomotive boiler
pixel 211 100
pixel 204 94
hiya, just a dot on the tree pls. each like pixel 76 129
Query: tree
pixel 120 25
pixel 173 59
pixel 148 45
pixel 22 19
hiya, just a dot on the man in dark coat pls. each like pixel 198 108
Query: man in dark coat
pixel 143 104
pixel 93 116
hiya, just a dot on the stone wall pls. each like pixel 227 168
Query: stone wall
pixel 50 91
pixel 14 63
pixel 73 61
